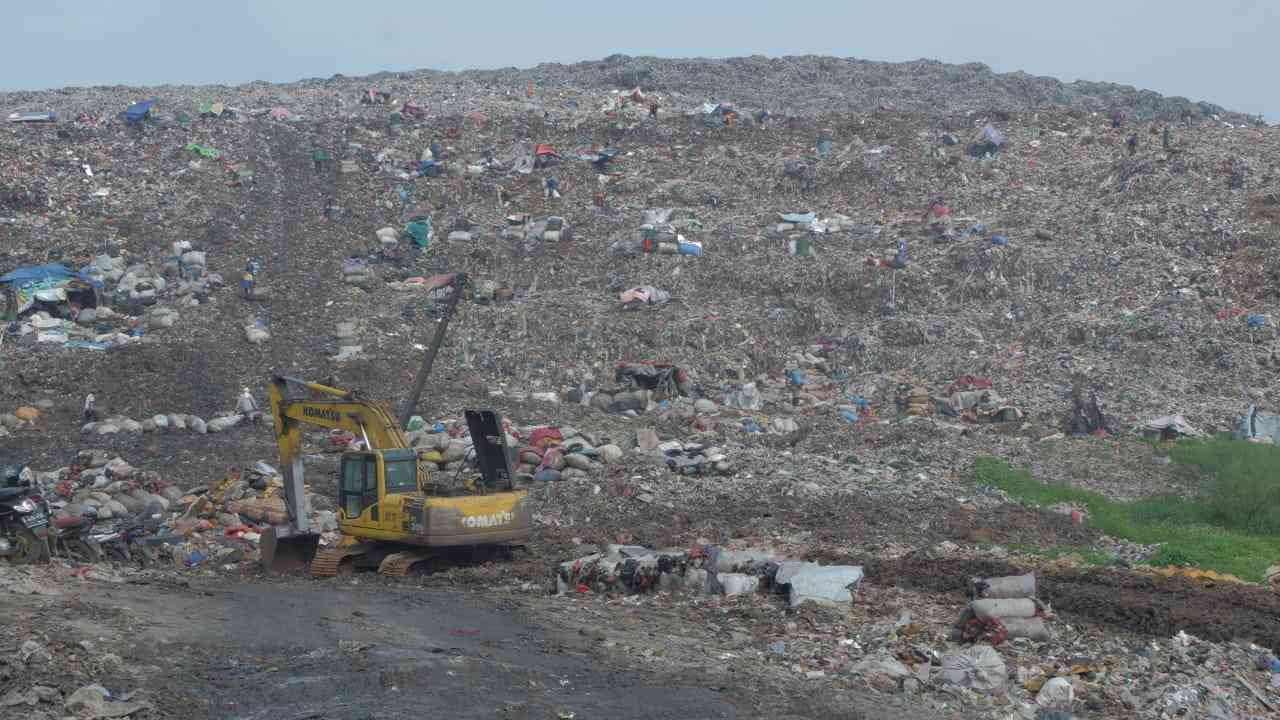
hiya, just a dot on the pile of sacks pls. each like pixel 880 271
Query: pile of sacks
pixel 914 401
pixel 666 231
pixel 708 570
pixel 543 453
pixel 810 222
pixel 1001 608
pixel 533 232
pixel 164 423
pixel 140 285
pixel 109 487
pixel 218 523
pixel 255 331
pixel 356 271
pixel 348 341
pixel 690 458
pixel 968 398
pixel 639 387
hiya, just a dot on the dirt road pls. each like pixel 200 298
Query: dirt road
pixel 297 648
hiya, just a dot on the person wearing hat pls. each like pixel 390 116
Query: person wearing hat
pixel 248 407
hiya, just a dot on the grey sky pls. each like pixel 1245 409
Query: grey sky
pixel 1223 51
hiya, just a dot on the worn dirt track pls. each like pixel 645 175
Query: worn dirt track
pixel 1139 603
pixel 294 649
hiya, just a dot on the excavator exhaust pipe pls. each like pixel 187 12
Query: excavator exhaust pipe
pixel 283 554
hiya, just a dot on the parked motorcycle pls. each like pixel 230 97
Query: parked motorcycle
pixel 134 543
pixel 111 541
pixel 24 525
pixel 71 536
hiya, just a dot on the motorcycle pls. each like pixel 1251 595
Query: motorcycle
pixel 72 537
pixel 24 525
pixel 111 541
pixel 135 543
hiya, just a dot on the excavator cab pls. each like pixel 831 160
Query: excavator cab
pixel 366 477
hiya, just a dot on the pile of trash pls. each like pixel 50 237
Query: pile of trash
pixel 707 570
pixel 218 524
pixel 638 387
pixel 162 423
pixel 1003 608
pixel 108 302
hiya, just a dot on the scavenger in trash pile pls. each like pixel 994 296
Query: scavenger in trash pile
pixel 247 407
pixel 90 409
pixel 249 279
pixel 937 219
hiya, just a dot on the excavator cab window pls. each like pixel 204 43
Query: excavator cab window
pixel 359 483
pixel 401 467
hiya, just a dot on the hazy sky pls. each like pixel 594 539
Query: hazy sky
pixel 1225 51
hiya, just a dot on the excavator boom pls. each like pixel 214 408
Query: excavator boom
pixel 294 545
pixel 385 495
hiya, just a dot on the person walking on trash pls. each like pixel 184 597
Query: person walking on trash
pixel 247 407
pixel 553 189
pixel 90 409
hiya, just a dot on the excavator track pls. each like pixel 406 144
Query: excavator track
pixel 329 560
pixel 399 564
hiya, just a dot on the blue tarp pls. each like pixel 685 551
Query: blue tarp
pixel 138 111
pixel 41 273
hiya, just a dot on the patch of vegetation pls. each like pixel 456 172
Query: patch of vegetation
pixel 1233 528
pixel 1242 483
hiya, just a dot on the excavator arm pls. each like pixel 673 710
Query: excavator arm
pixel 295 543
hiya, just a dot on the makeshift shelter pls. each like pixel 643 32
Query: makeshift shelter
pixel 138 111
pixel 52 287
pixel 1259 426
pixel 1170 427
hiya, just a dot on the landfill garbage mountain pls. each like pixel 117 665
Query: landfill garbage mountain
pixel 749 323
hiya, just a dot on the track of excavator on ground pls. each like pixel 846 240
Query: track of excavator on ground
pixel 328 561
pixel 399 564
pixel 331 562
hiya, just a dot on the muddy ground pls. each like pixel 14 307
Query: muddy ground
pixel 297 648
pixel 247 647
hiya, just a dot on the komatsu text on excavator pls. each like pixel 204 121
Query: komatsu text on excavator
pixel 393 513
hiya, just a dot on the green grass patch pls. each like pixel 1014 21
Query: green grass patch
pixel 1229 529
pixel 1241 483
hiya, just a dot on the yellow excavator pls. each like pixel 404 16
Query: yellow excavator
pixel 393 513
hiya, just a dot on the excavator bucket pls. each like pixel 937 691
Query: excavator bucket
pixel 282 554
